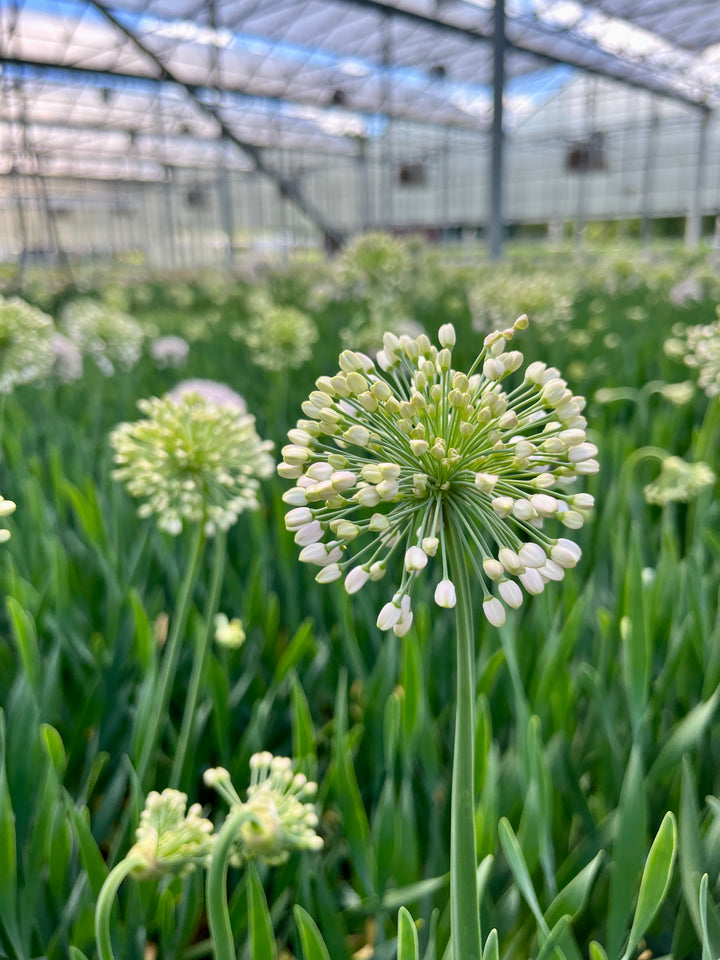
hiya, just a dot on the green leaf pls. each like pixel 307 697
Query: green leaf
pixel 655 880
pixel 516 862
pixel 8 854
pixel 89 852
pixel 302 643
pixel 706 954
pixel 76 954
pixel 23 627
pixel 571 899
pixel 597 951
pixel 684 738
pixel 313 945
pixel 553 942
pixel 55 749
pixel 262 937
pixel 491 950
pixel 303 732
pixel 411 679
pixel 635 644
pixel 408 946
pixel 414 892
pixel 628 851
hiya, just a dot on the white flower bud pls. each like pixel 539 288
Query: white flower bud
pixel 319 471
pixel 583 451
pixel 563 557
pixel 293 453
pixel 494 612
pixel 343 480
pixel 532 555
pixel 295 496
pixel 415 559
pixel 583 501
pixel 523 509
pixel 494 570
pixel 553 391
pixel 544 504
pixel 587 468
pixel 367 497
pixel 535 372
pixel 314 553
pixel 446 336
pixel 289 471
pixel 445 594
pixel 493 369
pixel 430 545
pixel 358 435
pixel 329 573
pixel 571 519
pixel 503 506
pixel 378 570
pixel 552 571
pixel 356 579
pixel 572 438
pixel 532 581
pixel 309 533
pixel 419 447
pixel 485 482
pixel 294 519
pixel 510 593
pixel 511 561
pixel 388 616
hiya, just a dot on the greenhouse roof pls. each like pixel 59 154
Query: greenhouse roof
pixel 129 79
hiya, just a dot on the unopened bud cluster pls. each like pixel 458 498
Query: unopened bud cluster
pixel 392 454
pixel 107 335
pixel 278 337
pixel 191 461
pixel 169 840
pixel 698 347
pixel 281 814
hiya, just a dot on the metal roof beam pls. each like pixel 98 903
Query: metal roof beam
pixel 288 188
pixel 422 20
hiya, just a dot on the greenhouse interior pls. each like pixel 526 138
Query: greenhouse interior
pixel 359 461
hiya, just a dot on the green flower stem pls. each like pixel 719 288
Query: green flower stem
pixel 464 908
pixel 171 654
pixel 201 653
pixel 216 903
pixel 167 676
pixel 105 904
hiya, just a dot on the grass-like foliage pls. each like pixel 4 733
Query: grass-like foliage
pixel 597 779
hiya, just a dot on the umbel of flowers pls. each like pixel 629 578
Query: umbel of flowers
pixel 26 352
pixel 191 461
pixel 392 455
pixel 699 348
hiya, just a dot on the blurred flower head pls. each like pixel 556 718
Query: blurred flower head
pixel 212 391
pixel 26 352
pixel 678 393
pixel 699 348
pixel 68 365
pixel 103 333
pixel 679 481
pixel 229 633
pixel 391 458
pixel 169 351
pixel 191 461
pixel 282 816
pixel 169 840
pixel 278 338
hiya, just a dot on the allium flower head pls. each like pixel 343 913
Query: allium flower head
pixel 679 481
pixel 283 817
pixel 7 507
pixel 392 457
pixel 191 461
pixel 699 348
pixel 107 335
pixel 68 365
pixel 169 840
pixel 26 352
pixel 279 338
pixel 211 390
pixel 169 351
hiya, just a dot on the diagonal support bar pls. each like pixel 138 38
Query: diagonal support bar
pixel 288 188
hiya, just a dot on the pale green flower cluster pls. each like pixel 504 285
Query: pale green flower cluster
pixel 699 348
pixel 679 482
pixel 229 633
pixel 7 507
pixel 278 338
pixel 26 350
pixel 191 461
pixel 281 815
pixel 394 454
pixel 169 839
pixel 107 335
pixel 374 261
pixel 546 297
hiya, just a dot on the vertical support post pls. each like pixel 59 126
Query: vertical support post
pixel 387 214
pixel 364 191
pixel 693 224
pixel 169 218
pixel 226 212
pixel 649 172
pixel 496 226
